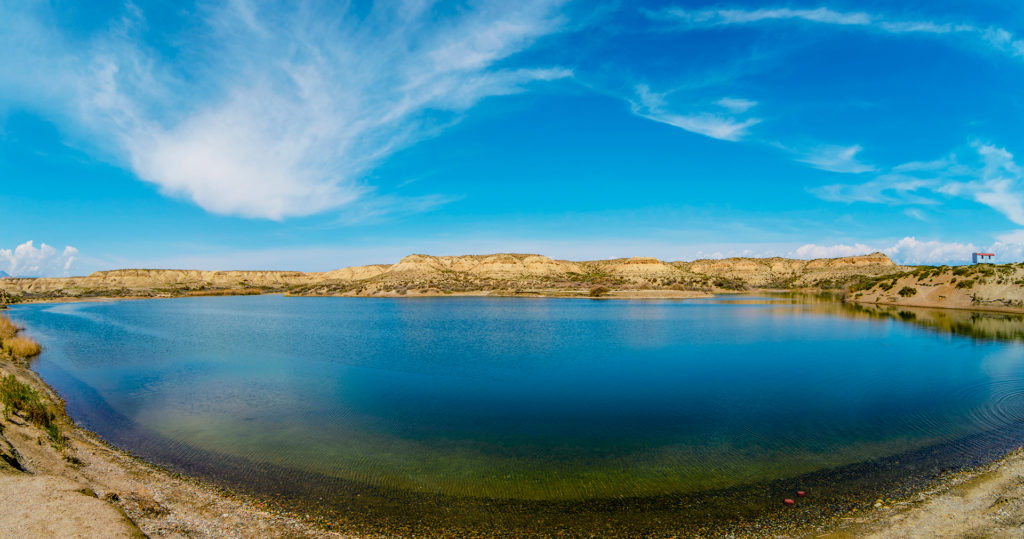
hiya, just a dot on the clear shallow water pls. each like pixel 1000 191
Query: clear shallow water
pixel 529 399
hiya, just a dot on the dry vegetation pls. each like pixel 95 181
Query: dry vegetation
pixel 14 345
pixel 21 347
pixel 7 328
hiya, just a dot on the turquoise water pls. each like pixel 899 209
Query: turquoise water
pixel 535 400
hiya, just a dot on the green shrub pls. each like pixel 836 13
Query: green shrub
pixel 598 291
pixel 727 283
pixel 966 283
pixel 56 437
pixel 907 291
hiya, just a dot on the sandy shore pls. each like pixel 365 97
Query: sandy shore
pixel 985 502
pixel 88 489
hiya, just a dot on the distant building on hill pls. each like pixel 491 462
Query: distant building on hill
pixel 981 257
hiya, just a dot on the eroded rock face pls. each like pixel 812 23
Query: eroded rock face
pixel 503 265
pixel 793 272
pixel 353 273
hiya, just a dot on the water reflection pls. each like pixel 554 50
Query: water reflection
pixel 982 325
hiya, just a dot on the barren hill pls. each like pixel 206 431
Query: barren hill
pixel 982 286
pixel 499 274
pixel 152 282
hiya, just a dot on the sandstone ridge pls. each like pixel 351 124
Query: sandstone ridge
pixel 499 274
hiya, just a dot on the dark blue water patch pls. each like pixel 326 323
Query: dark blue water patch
pixel 529 400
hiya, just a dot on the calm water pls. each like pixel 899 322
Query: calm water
pixel 530 401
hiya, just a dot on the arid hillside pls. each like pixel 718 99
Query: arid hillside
pixel 498 274
pixel 981 286
pixel 531 274
pixel 153 283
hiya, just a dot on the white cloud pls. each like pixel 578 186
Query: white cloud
pixel 996 38
pixel 836 159
pixel 272 112
pixel 911 251
pixel 990 177
pixel 736 105
pixel 811 250
pixel 27 260
pixel 740 16
pixel 722 125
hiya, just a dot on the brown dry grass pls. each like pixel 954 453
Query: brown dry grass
pixel 7 328
pixel 22 347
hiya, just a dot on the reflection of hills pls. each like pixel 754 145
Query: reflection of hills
pixel 975 324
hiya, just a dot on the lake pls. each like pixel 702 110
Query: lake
pixel 420 414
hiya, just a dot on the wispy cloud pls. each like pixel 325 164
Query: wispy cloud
pixel 275 111
pixel 915 213
pixel 722 121
pixel 995 38
pixel 735 105
pixel 27 260
pixel 836 159
pixel 992 177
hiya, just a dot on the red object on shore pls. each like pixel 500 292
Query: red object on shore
pixel 801 493
pixel 788 501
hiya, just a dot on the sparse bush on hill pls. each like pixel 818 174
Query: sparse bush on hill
pixel 966 283
pixel 599 291
pixel 907 291
pixel 727 283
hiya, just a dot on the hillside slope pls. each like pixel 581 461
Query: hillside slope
pixel 982 286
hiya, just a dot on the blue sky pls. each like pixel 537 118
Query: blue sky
pixel 252 135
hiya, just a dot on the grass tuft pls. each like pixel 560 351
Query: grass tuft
pixel 7 328
pixel 21 347
pixel 25 401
